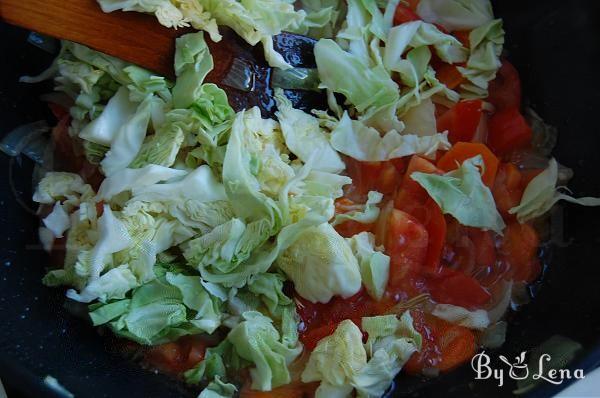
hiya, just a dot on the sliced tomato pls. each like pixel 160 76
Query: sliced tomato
pixel 464 36
pixel 435 223
pixel 462 151
pixel 508 131
pixel 461 121
pixel 311 338
pixel 320 320
pixel 444 346
pixel 485 249
pixel 177 357
pixel 410 191
pixel 429 356
pixel 463 254
pixel 414 200
pixel 508 189
pixel 505 90
pixel 405 14
pixel 372 176
pixel 430 215
pixel 406 243
pixel 388 179
pixel 454 287
pixel 519 248
pixel 456 343
pixel 449 75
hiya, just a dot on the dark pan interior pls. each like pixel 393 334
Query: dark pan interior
pixel 556 47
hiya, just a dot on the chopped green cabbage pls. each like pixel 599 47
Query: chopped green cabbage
pixel 462 194
pixel 484 61
pixel 374 265
pixel 336 360
pixel 355 139
pixel 305 138
pixel 341 363
pixel 365 214
pixel 321 265
pixel 456 14
pixel 162 310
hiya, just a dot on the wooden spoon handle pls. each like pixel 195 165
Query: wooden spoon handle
pixel 140 39
pixel 131 36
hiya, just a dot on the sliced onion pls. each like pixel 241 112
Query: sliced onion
pixel 544 136
pixel 500 302
pixel 494 336
pixel 15 142
pixel 382 223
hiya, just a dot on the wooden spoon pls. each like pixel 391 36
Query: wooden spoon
pixel 141 40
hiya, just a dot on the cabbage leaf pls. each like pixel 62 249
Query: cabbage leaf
pixel 462 194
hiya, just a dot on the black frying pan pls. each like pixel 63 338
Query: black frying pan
pixel 555 44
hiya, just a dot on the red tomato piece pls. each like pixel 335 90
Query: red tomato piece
pixel 454 287
pixel 404 14
pixel 320 320
pixel 178 356
pixel 410 191
pixel 485 249
pixel 466 150
pixel 505 90
pixel 311 338
pixel 464 37
pixel 436 229
pixel 461 121
pixel 445 346
pixel 519 248
pixel 449 75
pixel 508 131
pixel 508 189
pixel 406 243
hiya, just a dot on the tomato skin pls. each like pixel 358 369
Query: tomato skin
pixel 454 287
pixel 405 14
pixel 462 151
pixel 508 131
pixel 505 90
pixel 461 121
